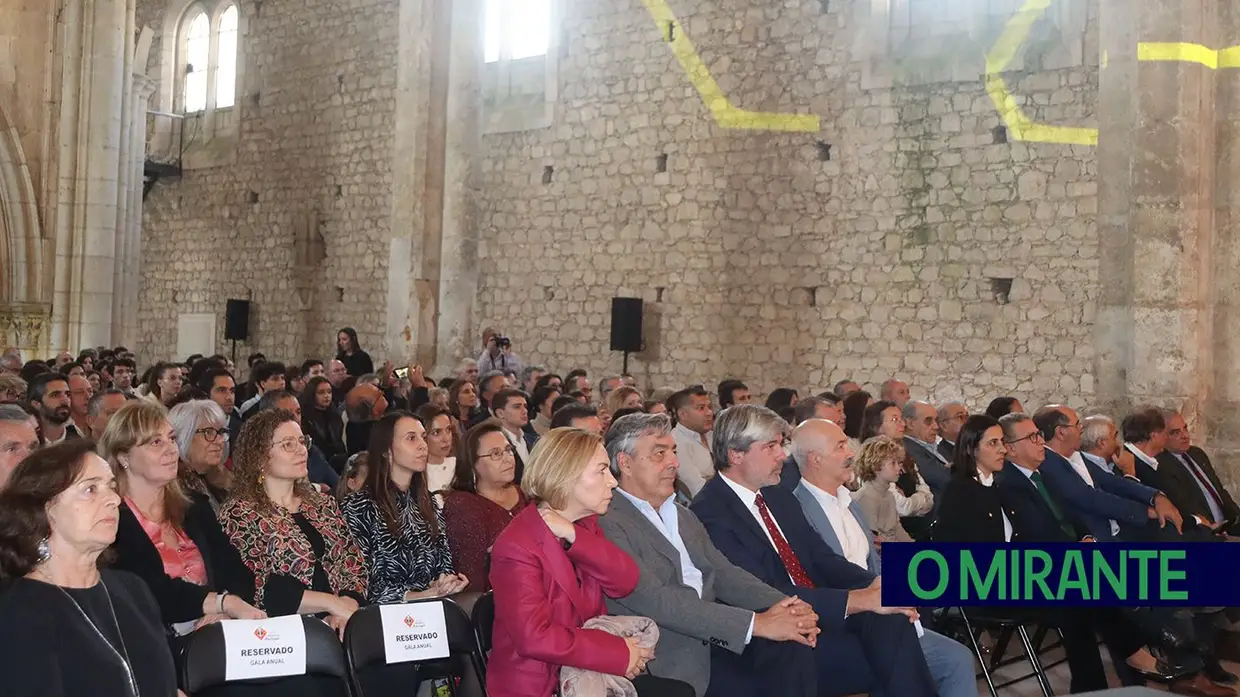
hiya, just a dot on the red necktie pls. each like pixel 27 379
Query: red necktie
pixel 1199 475
pixel 786 555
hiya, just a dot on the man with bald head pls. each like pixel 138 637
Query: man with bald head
pixel 894 390
pixel 825 458
pixel 921 430
pixel 363 406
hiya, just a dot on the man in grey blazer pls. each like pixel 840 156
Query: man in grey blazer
pixel 921 429
pixel 720 629
pixel 825 458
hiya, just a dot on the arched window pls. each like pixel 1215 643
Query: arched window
pixel 226 63
pixel 197 61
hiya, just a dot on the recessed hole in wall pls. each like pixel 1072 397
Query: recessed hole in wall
pixel 339 294
pixel 658 294
pixel 548 172
pixel 548 294
pixel 671 32
pixel 252 196
pixel 825 4
pixel 340 82
pixel 811 296
pixel 256 98
pixel 1002 289
pixel 660 163
pixel 824 151
pixel 339 191
pixel 258 8
pixel 999 135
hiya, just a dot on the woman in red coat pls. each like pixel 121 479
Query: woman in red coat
pixel 550 569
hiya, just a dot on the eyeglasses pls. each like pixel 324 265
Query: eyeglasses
pixel 1035 437
pixel 211 434
pixel 500 453
pixel 289 445
pixel 958 417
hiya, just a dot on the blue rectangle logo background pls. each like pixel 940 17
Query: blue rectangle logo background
pixel 1190 574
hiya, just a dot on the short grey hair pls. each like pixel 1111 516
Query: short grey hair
pixel 739 427
pixel 625 431
pixel 186 418
pixel 466 364
pixel 95 405
pixel 942 412
pixel 368 379
pixel 529 370
pixel 1094 429
pixel 12 412
pixel 909 410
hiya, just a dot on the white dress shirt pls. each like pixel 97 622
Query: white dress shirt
pixel 518 443
pixel 989 480
pixel 1199 477
pixel 439 477
pixel 749 500
pixel 848 531
pixel 667 521
pixel 696 465
pixel 1078 464
pixel 1136 452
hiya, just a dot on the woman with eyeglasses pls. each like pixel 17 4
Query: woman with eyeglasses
pixel 167 537
pixel 201 431
pixel 397 521
pixel 483 501
pixel 292 537
pixel 915 501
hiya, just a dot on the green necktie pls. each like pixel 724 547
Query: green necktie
pixel 1036 478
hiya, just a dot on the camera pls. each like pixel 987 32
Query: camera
pixel 502 342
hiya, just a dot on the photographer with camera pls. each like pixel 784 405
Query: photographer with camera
pixel 497 353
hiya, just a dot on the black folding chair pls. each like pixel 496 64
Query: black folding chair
pixel 1004 629
pixel 203 670
pixel 372 676
pixel 484 622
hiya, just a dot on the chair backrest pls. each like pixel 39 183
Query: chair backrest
pixel 484 621
pixel 367 657
pixel 203 663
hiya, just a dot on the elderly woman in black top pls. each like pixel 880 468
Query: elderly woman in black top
pixel 71 629
pixel 395 520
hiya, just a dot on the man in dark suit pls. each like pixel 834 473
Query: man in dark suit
pixel 721 630
pixel 951 417
pixel 921 430
pixel 759 526
pixel 1106 506
pixel 1192 484
pixel 1145 436
pixel 826 407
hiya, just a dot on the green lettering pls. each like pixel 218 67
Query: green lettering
pixel 1037 576
pixel 1143 557
pixel 1166 575
pixel 1072 576
pixel 916 587
pixel 1013 579
pixel 1119 584
pixel 971 578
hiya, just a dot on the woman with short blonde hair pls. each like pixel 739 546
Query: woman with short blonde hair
pixel 167 537
pixel 550 570
pixel 623 397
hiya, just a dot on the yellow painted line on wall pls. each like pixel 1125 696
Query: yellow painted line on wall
pixel 1190 53
pixel 726 115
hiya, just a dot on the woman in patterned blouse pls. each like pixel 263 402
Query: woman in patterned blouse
pixel 483 500
pixel 396 520
pixel 291 536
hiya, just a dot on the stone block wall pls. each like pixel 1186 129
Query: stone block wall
pixel 761 255
pixel 311 169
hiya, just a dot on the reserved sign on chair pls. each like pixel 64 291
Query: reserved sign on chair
pixel 266 648
pixel 414 632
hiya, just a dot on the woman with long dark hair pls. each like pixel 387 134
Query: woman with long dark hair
pixel 464 404
pixel 780 398
pixel 854 413
pixel 320 420
pixel 395 520
pixel 356 361
pixel 164 382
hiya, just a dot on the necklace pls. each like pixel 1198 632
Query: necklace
pixel 123 654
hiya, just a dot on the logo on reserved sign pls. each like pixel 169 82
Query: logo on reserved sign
pixel 267 648
pixel 414 632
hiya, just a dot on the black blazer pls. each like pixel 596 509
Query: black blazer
pixel 970 512
pixel 1182 487
pixel 326 429
pixel 180 600
pixel 1148 475
pixel 947 450
pixel 1028 512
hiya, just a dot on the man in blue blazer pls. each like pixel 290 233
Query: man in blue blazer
pixel 1108 507
pixel 760 527
pixel 825 459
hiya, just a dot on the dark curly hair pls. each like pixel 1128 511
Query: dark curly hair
pixel 35 482
pixel 251 455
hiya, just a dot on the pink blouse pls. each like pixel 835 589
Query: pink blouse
pixel 185 561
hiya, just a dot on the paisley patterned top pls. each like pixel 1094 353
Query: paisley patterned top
pixel 409 563
pixel 273 546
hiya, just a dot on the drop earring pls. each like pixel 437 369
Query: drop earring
pixel 44 550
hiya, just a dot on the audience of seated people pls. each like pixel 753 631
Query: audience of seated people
pixel 758 557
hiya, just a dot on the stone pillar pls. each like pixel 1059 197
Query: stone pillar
pixel 126 280
pixel 97 56
pixel 458 269
pixel 1155 326
pixel 417 178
